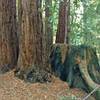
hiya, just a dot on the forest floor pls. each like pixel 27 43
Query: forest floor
pixel 12 88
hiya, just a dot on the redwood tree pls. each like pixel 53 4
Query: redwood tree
pixel 48 22
pixel 63 22
pixel 32 56
pixel 8 35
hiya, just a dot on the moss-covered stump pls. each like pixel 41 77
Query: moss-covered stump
pixel 78 65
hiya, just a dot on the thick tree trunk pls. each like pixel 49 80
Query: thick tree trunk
pixel 63 22
pixel 31 62
pixel 8 35
pixel 48 28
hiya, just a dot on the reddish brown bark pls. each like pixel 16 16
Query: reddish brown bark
pixel 32 43
pixel 8 34
pixel 63 22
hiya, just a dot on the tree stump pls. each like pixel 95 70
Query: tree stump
pixel 78 65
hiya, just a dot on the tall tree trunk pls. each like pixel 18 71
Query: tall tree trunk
pixel 48 22
pixel 8 35
pixel 32 53
pixel 48 28
pixel 63 22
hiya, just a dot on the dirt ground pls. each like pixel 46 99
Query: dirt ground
pixel 12 88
